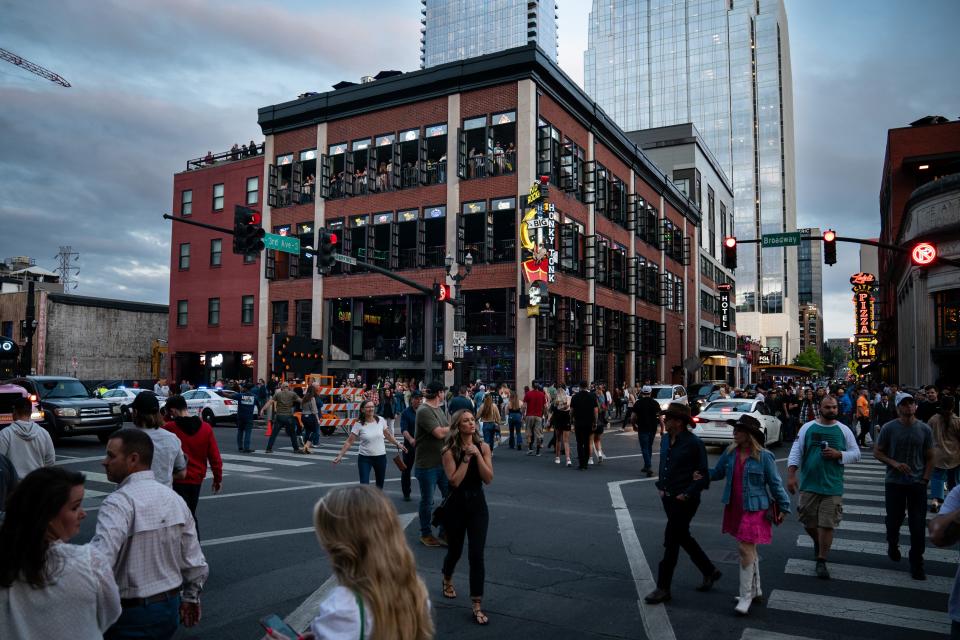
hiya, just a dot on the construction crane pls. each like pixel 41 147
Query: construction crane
pixel 13 58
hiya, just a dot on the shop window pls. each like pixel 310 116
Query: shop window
pixel 253 190
pixel 341 328
pixel 946 306
pixel 218 197
pixel 308 170
pixel 385 328
pixel 486 313
pixel 434 241
pixel 181 313
pixel 381 161
pixel 186 202
pixel 213 311
pixel 216 252
pixel 280 316
pixel 415 327
pixel 472 231
pixel 406 231
pixel 304 317
pixel 381 240
pixel 571 248
pixel 439 323
pixel 502 221
pixel 548 152
pixel 408 151
pixel 475 149
pixel 184 263
pixel 433 155
pixel 246 310
pixel 281 178
pixel 503 133
pixel 361 162
pixel 333 172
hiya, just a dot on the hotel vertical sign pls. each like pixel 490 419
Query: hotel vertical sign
pixel 724 290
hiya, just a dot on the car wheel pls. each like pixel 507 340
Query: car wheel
pixel 208 417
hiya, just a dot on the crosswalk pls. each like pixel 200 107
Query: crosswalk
pixel 854 562
pixel 97 485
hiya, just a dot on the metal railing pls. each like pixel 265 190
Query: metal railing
pixel 225 156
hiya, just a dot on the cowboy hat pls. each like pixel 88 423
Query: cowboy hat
pixel 680 412
pixel 749 424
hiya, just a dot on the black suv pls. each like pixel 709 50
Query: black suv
pixel 68 408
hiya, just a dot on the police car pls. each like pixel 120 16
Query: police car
pixel 124 398
pixel 212 405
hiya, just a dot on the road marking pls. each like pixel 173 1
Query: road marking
pixel 227 466
pixel 313 485
pixel 860 610
pixel 632 455
pixel 299 456
pixel 656 622
pixel 763 634
pixel 265 460
pixel 855 509
pixel 868 575
pixel 254 536
pixel 869 527
pixel 61 455
pixel 79 460
pixel 90 493
pixel 862 497
pixel 97 477
pixel 864 473
pixel 879 549
pixel 301 617
pixel 863 487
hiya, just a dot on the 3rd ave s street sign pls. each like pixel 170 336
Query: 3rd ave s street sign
pixel 281 243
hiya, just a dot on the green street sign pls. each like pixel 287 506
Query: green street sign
pixel 789 239
pixel 281 243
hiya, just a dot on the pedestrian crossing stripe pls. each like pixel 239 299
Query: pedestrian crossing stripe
pixel 277 461
pixel 869 527
pixel 860 510
pixel 864 487
pixel 869 575
pixel 878 549
pixel 860 610
pixel 763 634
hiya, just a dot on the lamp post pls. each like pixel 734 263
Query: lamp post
pixel 681 326
pixel 458 315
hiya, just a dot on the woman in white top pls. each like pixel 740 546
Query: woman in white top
pixel 379 596
pixel 50 589
pixel 371 430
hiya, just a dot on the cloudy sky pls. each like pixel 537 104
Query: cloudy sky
pixel 157 82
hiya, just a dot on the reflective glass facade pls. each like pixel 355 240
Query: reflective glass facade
pixel 459 29
pixel 723 65
pixel 810 269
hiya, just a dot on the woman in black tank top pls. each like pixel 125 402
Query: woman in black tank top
pixel 468 464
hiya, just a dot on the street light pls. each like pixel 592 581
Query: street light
pixel 458 315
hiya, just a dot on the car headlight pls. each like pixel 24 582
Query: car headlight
pixel 114 408
pixel 36 416
pixel 66 412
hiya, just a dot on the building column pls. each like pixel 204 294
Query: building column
pixel 663 310
pixel 263 314
pixel 630 370
pixel 453 213
pixel 589 352
pixel 318 320
pixel 526 344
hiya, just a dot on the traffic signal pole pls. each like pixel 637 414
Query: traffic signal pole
pixel 229 232
pixel 872 243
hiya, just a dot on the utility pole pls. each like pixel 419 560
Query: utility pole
pixel 68 272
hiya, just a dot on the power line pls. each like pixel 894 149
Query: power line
pixel 68 272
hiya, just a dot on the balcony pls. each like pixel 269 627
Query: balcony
pixel 237 153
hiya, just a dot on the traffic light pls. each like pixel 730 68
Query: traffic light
pixel 830 247
pixel 442 292
pixel 328 241
pixel 247 232
pixel 730 252
pixel 449 365
pixel 923 254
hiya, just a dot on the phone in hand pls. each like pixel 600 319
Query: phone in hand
pixel 276 623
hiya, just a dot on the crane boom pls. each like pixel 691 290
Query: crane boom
pixel 13 58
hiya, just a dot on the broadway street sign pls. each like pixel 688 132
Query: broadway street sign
pixel 790 239
pixel 339 257
pixel 281 243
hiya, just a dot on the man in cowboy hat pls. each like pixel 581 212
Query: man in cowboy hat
pixel 681 455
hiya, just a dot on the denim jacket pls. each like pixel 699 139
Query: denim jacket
pixel 758 477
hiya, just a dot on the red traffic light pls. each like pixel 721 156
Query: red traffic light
pixel 923 254
pixel 333 237
pixel 829 235
pixel 443 292
pixel 730 241
pixel 255 218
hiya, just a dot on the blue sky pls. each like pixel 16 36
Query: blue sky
pixel 157 82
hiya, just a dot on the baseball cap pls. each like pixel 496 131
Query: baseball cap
pixel 906 398
pixel 145 402
pixel 432 389
pixel 646 389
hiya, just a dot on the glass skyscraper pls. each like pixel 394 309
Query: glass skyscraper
pixel 723 65
pixel 459 29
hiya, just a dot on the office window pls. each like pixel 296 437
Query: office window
pixel 216 252
pixel 213 311
pixel 184 256
pixel 218 197
pixel 246 310
pixel 181 313
pixel 186 202
pixel 281 315
pixel 253 190
pixel 304 317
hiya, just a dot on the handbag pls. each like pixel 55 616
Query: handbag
pixel 772 514
pixel 398 460
pixel 439 512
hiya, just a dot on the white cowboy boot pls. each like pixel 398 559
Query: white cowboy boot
pixel 746 590
pixel 757 593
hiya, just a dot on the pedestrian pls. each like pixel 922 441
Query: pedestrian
pixel 387 408
pixel 534 404
pixel 600 425
pixel 168 461
pixel 930 406
pixel 515 421
pixel 945 532
pixel 648 420
pixel 489 417
pixel 946 446
pixel 378 596
pixel 583 410
pixel 199 444
pixel 431 430
pixel 48 588
pixel 371 430
pixel 863 417
pixel 821 451
pixel 8 481
pixel 408 426
pixel 246 408
pixel 560 421
pixel 282 403
pixel 309 416
pixel 468 465
pixel 682 454
pixel 26 444
pixel 905 445
pixel 845 403
pixel 753 498
pixel 149 538
pixel 461 400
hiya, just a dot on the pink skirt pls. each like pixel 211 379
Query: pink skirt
pixel 747 526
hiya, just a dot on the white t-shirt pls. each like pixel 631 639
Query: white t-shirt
pixel 339 616
pixel 370 435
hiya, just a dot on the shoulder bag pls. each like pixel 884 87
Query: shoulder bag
pixel 398 460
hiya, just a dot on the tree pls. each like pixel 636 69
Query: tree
pixel 810 359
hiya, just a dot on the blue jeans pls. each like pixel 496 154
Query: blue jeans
pixel 489 430
pixel 311 428
pixel 244 431
pixel 157 621
pixel 377 463
pixel 288 423
pixel 515 424
pixel 937 479
pixel 429 479
pixel 646 447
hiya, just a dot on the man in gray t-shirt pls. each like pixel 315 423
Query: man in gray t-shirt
pixel 944 532
pixel 905 445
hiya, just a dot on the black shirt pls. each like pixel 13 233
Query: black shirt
pixel 647 412
pixel 927 409
pixel 582 406
pixel 678 462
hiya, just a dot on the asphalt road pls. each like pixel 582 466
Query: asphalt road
pixel 569 554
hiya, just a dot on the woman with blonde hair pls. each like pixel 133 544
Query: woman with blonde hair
pixel 489 417
pixel 560 421
pixel 515 420
pixel 379 595
pixel 468 463
pixel 753 488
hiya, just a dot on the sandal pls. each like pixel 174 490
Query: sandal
pixel 479 616
pixel 448 590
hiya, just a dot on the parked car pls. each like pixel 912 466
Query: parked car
pixel 68 409
pixel 9 393
pixel 213 405
pixel 712 428
pixel 122 397
pixel 699 393
pixel 664 394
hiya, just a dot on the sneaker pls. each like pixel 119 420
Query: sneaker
pixel 590 461
pixel 429 541
pixel 822 572
pixel 538 453
pixel 893 552
pixel 268 450
pixel 569 464
pixel 649 473
pixel 442 539
pixel 556 461
pixel 601 455
pixel 530 452
pixel 917 573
